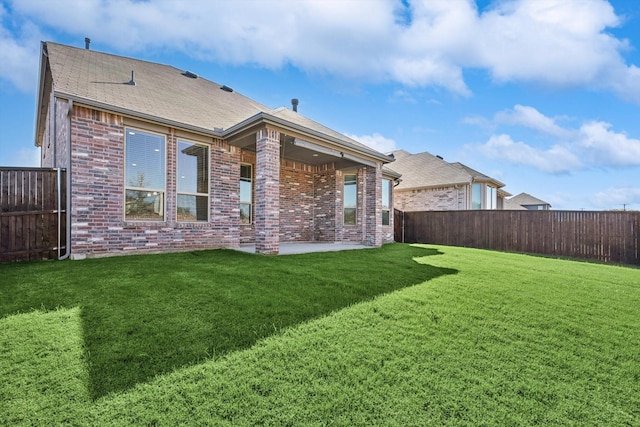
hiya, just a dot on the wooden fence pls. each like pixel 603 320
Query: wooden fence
pixel 604 236
pixel 32 213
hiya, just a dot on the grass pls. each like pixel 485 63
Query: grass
pixel 508 340
pixel 147 315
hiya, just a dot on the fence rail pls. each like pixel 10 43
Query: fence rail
pixel 32 213
pixel 605 236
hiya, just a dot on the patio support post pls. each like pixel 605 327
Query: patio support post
pixel 267 211
pixel 373 206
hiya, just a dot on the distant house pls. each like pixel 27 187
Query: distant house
pixel 431 183
pixel 526 201
pixel 160 159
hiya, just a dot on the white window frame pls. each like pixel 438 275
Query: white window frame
pixel 344 205
pixel 386 208
pixel 244 202
pixel 128 130
pixel 208 172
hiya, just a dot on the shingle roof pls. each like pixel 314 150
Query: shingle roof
pixel 161 91
pixel 477 176
pixel 165 94
pixel 426 170
pixel 521 200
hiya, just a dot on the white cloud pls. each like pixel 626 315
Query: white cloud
pixel 601 145
pixel 618 198
pixel 428 43
pixel 556 159
pixel 376 141
pixel 529 117
pixel 593 144
pixel 18 54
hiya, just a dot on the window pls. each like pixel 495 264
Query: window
pixel 193 182
pixel 350 199
pixel 144 176
pixel 246 194
pixel 484 197
pixel 492 197
pixel 386 201
pixel 476 196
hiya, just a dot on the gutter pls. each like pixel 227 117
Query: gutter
pixel 68 207
pixel 261 117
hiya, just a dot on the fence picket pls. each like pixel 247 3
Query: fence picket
pixel 608 236
pixel 29 219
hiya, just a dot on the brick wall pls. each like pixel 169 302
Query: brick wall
pixel 267 191
pixel 431 199
pixel 98 225
pixel 308 198
pixel 297 204
pixel 327 193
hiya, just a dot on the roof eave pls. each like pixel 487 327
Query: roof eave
pixel 266 118
pixel 139 115
pixel 40 93
pixel 426 187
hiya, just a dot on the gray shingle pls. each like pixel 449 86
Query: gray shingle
pixel 164 93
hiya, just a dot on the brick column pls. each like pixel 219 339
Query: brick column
pixel 373 206
pixel 267 210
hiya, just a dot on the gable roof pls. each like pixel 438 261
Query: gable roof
pixel 521 200
pixel 477 176
pixel 423 170
pixel 426 170
pixel 165 94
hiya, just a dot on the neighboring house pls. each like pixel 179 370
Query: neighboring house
pixel 526 201
pixel 430 183
pixel 159 159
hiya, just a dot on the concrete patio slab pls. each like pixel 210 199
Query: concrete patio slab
pixel 307 247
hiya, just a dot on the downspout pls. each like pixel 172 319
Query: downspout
pixel 68 207
pixel 55 165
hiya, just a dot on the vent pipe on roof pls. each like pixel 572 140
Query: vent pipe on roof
pixel 440 157
pixel 87 42
pixel 132 82
pixel 294 104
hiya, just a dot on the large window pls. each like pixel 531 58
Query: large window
pixel 350 203
pixel 144 176
pixel 484 197
pixel 193 182
pixel 246 194
pixel 386 201
pixel 476 196
pixel 491 194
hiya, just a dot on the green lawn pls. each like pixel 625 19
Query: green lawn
pixel 402 335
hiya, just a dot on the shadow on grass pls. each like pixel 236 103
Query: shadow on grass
pixel 148 315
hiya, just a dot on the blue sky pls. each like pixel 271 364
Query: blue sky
pixel 543 95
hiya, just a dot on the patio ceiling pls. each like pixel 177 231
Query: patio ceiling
pixel 303 151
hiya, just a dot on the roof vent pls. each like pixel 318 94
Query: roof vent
pixel 294 104
pixel 190 74
pixel 440 157
pixel 132 82
pixel 226 88
pixel 87 42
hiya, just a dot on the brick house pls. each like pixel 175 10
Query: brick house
pixel 429 183
pixel 160 159
pixel 524 201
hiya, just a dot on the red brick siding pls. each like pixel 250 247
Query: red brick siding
pixel 98 226
pixel 326 205
pixel 267 191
